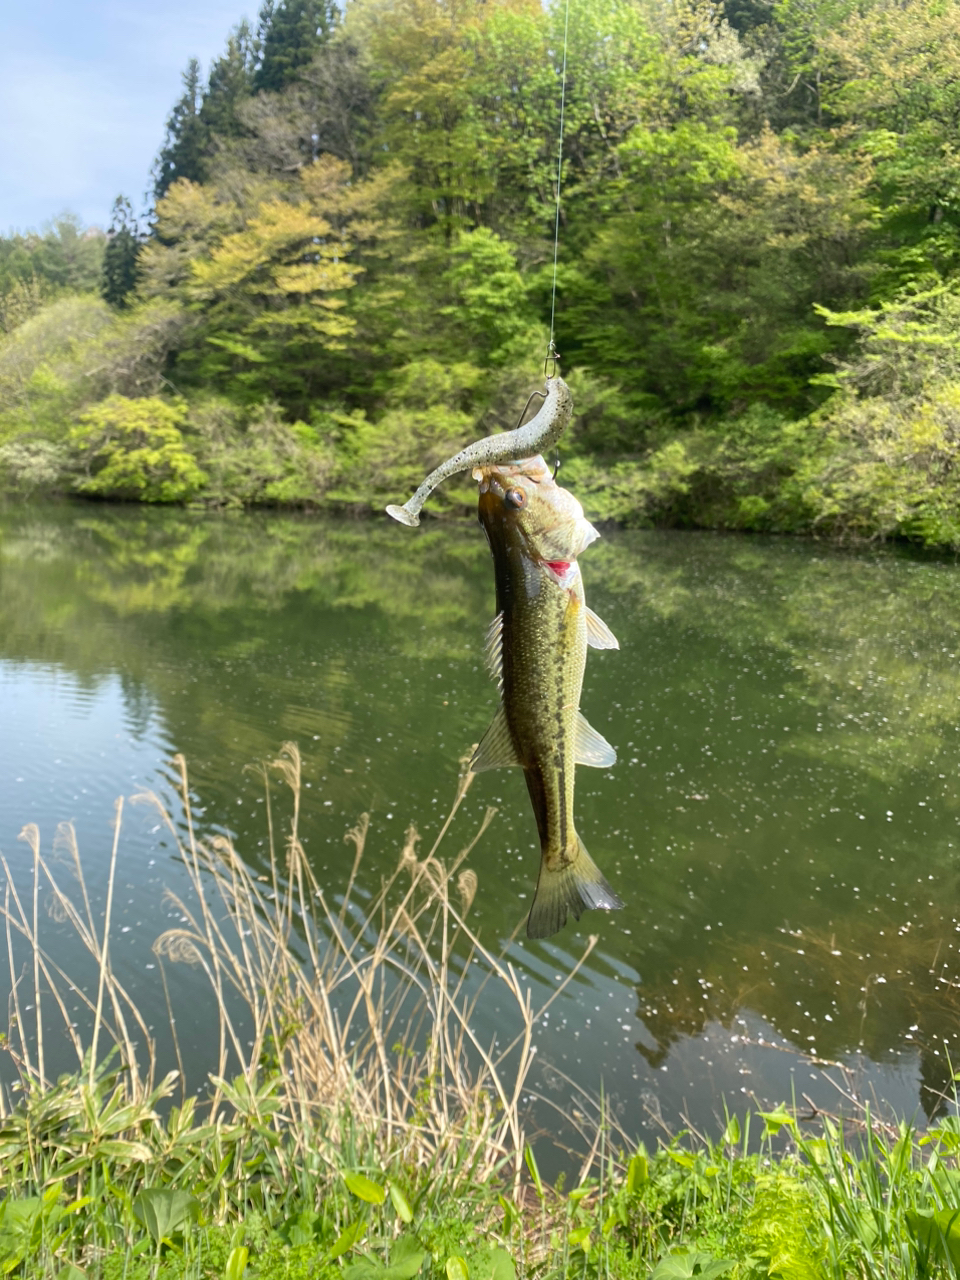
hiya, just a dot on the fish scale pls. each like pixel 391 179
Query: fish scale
pixel 538 642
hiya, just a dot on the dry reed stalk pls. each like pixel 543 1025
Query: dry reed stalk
pixel 111 878
pixel 49 977
pixel 335 1019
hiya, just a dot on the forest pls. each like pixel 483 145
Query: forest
pixel 347 268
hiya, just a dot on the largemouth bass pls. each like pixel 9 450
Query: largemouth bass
pixel 537 650
pixel 536 436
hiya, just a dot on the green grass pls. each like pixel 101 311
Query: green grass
pixel 357 1127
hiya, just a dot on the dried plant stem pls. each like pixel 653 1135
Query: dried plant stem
pixel 335 1019
pixel 98 1015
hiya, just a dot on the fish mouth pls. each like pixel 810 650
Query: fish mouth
pixel 497 478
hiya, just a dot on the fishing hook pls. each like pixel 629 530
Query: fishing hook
pixel 530 398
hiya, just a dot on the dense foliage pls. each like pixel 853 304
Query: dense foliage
pixel 352 251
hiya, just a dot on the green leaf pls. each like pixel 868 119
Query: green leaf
pixel 774 1121
pixel 401 1203
pixel 76 1205
pixel 301 1229
pixel 406 1259
pixel 364 1189
pixel 936 1232
pixel 638 1172
pixel 685 1266
pixel 367 1269
pixel 237 1263
pixel 579 1237
pixel 510 1215
pixel 731 1135
pixel 163 1211
pixel 531 1162
pixel 614 1218
pixel 346 1240
pixel 456 1269
pixel 18 1213
pixel 501 1266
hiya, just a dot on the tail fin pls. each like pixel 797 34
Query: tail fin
pixel 577 887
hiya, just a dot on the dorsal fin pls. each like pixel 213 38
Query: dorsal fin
pixel 599 635
pixel 494 650
pixel 592 748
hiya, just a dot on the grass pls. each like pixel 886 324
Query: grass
pixel 357 1126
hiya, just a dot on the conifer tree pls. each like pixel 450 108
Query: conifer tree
pixel 230 82
pixel 184 152
pixel 119 275
pixel 291 31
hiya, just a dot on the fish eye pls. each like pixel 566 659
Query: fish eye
pixel 515 498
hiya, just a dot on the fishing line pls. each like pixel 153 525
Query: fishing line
pixel 551 346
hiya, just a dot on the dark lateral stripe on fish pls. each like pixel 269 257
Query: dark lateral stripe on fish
pixel 537 650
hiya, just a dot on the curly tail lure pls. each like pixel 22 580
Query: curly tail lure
pixel 536 436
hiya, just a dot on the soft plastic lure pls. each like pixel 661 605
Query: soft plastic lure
pixel 536 436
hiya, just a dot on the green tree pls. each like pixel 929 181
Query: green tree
pixel 701 258
pixel 329 108
pixel 229 84
pixel 800 72
pixel 896 84
pixel 184 151
pixel 77 350
pixel 491 306
pixel 889 456
pixel 290 33
pixel 429 121
pixel 124 240
pixel 65 255
pixel 266 276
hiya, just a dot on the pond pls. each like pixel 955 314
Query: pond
pixel 781 822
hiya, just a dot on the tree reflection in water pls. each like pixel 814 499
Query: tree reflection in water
pixel 782 819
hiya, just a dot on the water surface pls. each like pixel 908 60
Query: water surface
pixel 782 820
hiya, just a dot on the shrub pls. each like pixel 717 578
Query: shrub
pixel 888 460
pixel 253 456
pixel 28 464
pixel 135 449
pixel 76 351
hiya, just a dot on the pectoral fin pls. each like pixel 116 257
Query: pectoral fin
pixel 592 748
pixel 496 749
pixel 599 635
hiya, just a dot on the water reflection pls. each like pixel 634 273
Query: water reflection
pixel 781 822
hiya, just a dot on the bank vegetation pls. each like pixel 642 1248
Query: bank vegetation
pixel 356 1124
pixel 347 268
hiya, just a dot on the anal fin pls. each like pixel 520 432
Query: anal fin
pixel 592 748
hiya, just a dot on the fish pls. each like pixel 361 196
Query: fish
pixel 537 436
pixel 537 650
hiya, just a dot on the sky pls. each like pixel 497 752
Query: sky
pixel 86 87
